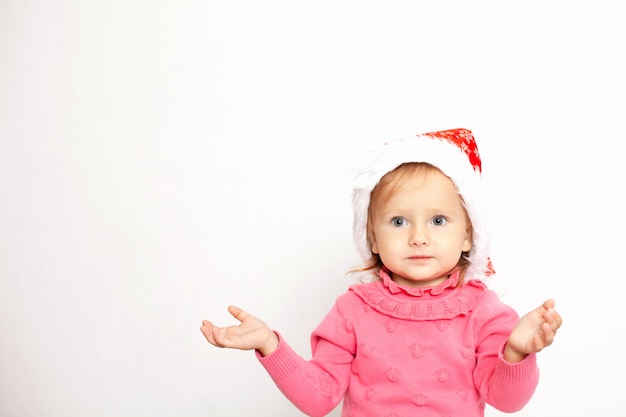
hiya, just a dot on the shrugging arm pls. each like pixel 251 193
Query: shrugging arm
pixel 506 386
pixel 318 385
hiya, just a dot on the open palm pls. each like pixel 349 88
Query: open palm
pixel 251 333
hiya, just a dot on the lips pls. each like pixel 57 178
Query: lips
pixel 420 260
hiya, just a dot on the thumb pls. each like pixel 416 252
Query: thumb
pixel 237 313
pixel 548 304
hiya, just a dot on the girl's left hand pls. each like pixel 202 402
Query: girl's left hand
pixel 534 331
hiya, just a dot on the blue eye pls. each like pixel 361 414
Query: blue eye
pixel 439 220
pixel 398 221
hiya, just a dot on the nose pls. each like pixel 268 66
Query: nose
pixel 419 236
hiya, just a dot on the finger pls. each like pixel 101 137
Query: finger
pixel 218 335
pixel 554 319
pixel 207 331
pixel 557 319
pixel 554 323
pixel 549 304
pixel 547 335
pixel 206 325
pixel 238 313
pixel 213 334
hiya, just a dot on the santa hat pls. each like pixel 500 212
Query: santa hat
pixel 455 153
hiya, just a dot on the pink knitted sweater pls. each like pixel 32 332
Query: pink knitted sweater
pixel 396 351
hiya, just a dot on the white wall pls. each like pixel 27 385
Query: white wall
pixel 160 160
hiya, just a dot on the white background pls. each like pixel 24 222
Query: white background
pixel 160 160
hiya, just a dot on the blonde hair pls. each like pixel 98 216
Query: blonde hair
pixel 386 187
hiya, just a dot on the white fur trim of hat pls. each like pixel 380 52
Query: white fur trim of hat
pixel 455 153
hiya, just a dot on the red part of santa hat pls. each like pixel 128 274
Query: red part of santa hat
pixel 455 153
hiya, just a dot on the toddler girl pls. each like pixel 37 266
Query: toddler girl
pixel 425 337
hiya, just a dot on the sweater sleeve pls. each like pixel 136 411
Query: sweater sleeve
pixel 315 386
pixel 506 386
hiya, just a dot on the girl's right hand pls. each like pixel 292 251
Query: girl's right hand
pixel 251 333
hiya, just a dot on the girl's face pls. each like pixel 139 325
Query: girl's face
pixel 420 229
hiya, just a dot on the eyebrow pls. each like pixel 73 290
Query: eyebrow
pixel 401 211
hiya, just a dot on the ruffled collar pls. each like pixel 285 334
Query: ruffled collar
pixel 443 301
pixel 394 288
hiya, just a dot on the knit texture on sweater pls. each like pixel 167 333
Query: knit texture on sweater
pixel 391 351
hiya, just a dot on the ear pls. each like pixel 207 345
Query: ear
pixel 467 243
pixel 373 243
